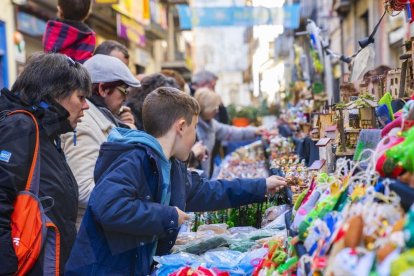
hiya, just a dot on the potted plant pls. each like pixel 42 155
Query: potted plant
pixel 242 118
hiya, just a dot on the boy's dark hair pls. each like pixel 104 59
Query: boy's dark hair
pixel 164 106
pixel 106 47
pixel 51 76
pixel 76 10
pixel 137 95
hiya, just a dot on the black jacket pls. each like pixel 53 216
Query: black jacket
pixel 56 179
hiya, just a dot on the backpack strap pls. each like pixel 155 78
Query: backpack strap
pixel 33 178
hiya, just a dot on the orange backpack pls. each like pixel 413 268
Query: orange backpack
pixel 32 231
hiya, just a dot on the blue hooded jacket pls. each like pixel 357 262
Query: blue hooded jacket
pixel 125 216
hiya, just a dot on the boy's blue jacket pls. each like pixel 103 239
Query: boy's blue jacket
pixel 125 218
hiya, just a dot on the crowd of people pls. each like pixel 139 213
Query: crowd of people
pixel 114 154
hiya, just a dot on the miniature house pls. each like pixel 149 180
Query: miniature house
pixel 318 166
pixel 366 113
pixel 347 90
pixel 325 150
pixel 325 120
pixel 331 132
pixel 353 119
pixel 375 81
pixel 393 82
pixel 351 136
pixel 377 86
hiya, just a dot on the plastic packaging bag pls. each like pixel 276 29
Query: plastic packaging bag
pixel 242 230
pixel 217 228
pixel 260 234
pixel 198 247
pixel 223 260
pixel 185 237
pixel 279 223
pixel 199 271
pixel 241 245
pixel 273 213
pixel 364 62
pixel 170 263
pixel 250 260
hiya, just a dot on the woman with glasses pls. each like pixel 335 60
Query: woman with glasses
pixel 53 88
pixel 111 80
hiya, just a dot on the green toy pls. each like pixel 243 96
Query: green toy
pixel 404 263
pixel 387 99
pixel 409 228
pixel 323 207
pixel 403 153
pixel 288 265
pixel 300 199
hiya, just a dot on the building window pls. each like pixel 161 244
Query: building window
pixel 365 23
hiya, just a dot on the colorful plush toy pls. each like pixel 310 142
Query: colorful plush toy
pixel 386 166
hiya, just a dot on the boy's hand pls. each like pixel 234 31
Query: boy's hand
pixel 275 183
pixel 182 216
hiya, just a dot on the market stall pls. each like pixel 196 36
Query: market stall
pixel 348 207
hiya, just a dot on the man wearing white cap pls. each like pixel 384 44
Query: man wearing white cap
pixel 111 79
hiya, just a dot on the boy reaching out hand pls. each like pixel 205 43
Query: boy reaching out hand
pixel 143 190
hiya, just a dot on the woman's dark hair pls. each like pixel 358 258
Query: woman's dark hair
pixel 51 77
pixel 137 95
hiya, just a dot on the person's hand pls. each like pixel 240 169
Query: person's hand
pixel 126 116
pixel 275 183
pixel 263 131
pixel 199 151
pixel 182 216
pixel 260 130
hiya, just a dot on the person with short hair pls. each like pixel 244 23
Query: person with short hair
pixel 69 34
pixel 136 100
pixel 143 191
pixel 53 88
pixel 113 48
pixel 111 81
pixel 209 129
pixel 204 78
pixel 137 96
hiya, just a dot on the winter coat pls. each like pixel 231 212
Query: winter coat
pixel 91 133
pixel 56 179
pixel 209 132
pixel 72 38
pixel 125 217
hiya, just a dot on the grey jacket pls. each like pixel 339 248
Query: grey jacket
pixel 209 132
